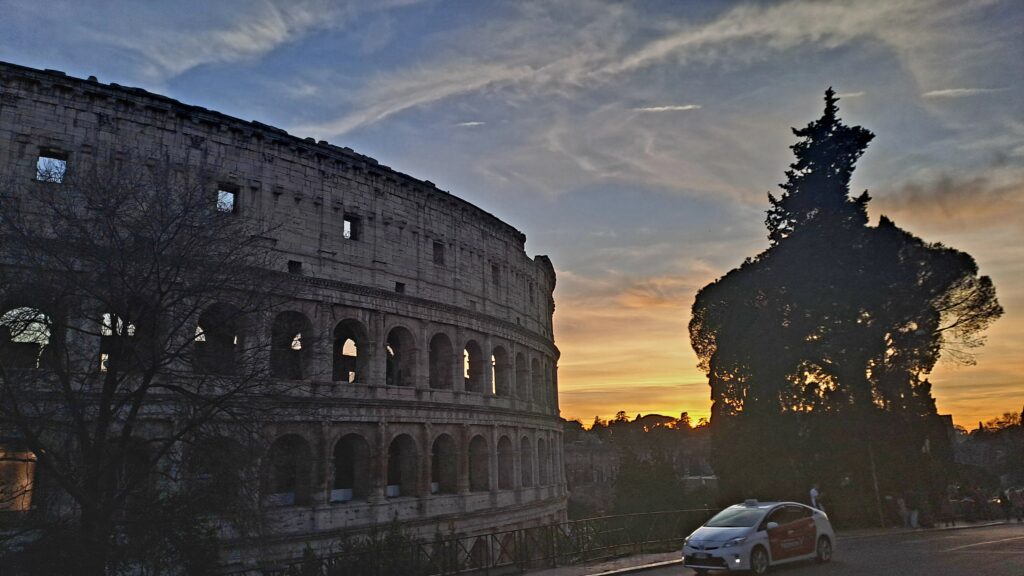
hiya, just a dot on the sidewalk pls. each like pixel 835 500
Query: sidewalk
pixel 640 562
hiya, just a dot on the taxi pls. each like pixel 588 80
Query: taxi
pixel 757 535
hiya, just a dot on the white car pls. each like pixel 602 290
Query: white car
pixel 757 535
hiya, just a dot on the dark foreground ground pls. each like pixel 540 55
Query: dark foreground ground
pixel 988 551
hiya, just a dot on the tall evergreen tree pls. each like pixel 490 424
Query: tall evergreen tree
pixel 832 329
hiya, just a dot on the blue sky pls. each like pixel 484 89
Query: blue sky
pixel 633 142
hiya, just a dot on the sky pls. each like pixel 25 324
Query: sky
pixel 632 142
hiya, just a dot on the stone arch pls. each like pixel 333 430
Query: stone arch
pixel 218 340
pixel 526 461
pixel 537 380
pixel 25 335
pixel 287 475
pixel 117 342
pixel 473 367
pixel 522 377
pixel 400 369
pixel 501 371
pixel 441 353
pixel 215 471
pixel 134 473
pixel 543 463
pixel 444 466
pixel 291 346
pixel 352 479
pixel 479 465
pixel 351 352
pixel 403 467
pixel 506 467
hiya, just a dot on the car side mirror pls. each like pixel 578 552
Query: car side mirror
pixel 772 525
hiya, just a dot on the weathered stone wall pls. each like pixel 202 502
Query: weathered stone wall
pixel 412 259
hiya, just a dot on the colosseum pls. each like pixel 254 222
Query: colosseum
pixel 428 327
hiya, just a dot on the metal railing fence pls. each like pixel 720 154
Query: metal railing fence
pixel 510 551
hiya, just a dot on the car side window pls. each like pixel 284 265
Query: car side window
pixel 777 516
pixel 800 512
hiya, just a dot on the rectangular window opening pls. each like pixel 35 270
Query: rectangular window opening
pixel 294 267
pixel 496 274
pixel 350 227
pixel 400 287
pixel 227 200
pixel 439 253
pixel 51 166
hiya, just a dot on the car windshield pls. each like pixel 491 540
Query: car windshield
pixel 736 518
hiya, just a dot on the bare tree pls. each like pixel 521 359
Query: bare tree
pixel 129 290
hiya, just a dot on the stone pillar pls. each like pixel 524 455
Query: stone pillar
pixel 517 464
pixel 376 364
pixel 426 458
pixel 492 463
pixel 488 366
pixel 458 369
pixel 320 493
pixel 422 379
pixel 379 463
pixel 321 357
pixel 463 460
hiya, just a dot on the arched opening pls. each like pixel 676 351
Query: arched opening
pixel 473 367
pixel 522 377
pixel 24 338
pixel 351 469
pixel 479 466
pixel 350 352
pixel 543 463
pixel 18 477
pixel 501 372
pixel 218 340
pixel 526 461
pixel 133 474
pixel 401 357
pixel 443 466
pixel 117 343
pixel 505 464
pixel 291 346
pixel 440 362
pixel 537 377
pixel 215 470
pixel 287 472
pixel 403 467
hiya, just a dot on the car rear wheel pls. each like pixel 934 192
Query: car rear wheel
pixel 759 561
pixel 824 549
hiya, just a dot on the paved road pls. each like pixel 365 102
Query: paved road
pixel 989 551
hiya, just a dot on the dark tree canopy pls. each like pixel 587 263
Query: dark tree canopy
pixel 835 327
pixel 123 294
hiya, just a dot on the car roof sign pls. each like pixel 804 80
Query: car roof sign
pixel 750 502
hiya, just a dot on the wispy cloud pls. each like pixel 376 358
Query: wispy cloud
pixel 165 40
pixel 470 124
pixel 974 201
pixel 848 95
pixel 673 108
pixel 959 92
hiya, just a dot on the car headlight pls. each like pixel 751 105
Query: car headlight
pixel 734 542
pixel 686 541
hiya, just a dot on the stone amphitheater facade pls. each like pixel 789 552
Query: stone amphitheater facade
pixel 433 359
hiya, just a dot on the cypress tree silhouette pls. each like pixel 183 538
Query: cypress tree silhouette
pixel 819 347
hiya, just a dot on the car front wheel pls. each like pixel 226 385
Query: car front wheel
pixel 824 549
pixel 759 561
